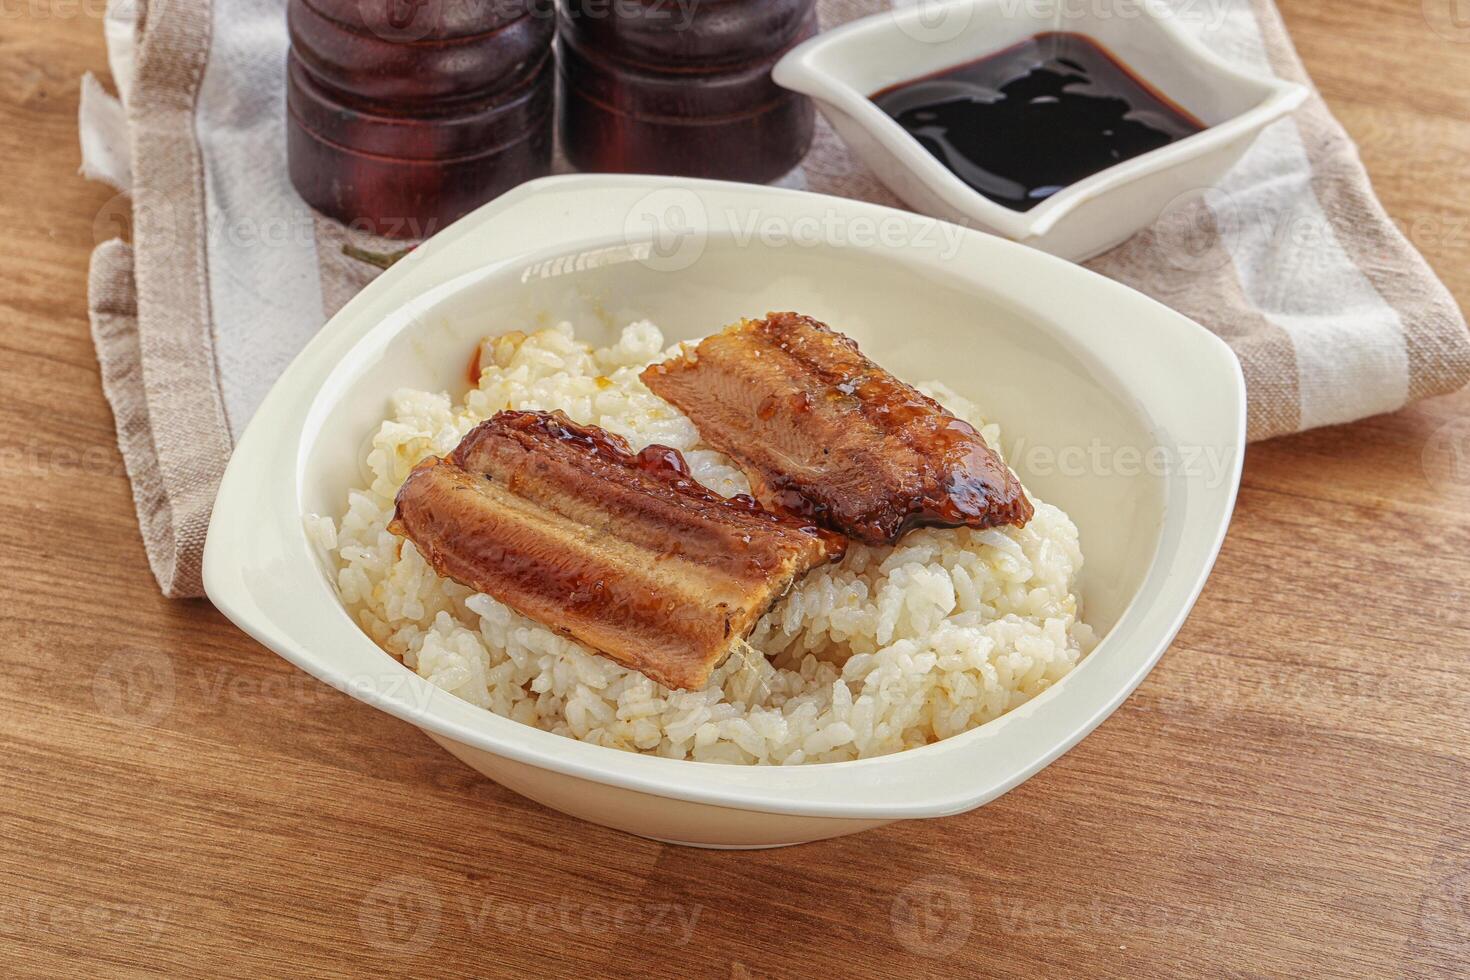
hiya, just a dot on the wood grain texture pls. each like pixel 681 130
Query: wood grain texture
pixel 1285 795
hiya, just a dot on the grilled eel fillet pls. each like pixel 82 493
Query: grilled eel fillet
pixel 623 552
pixel 824 433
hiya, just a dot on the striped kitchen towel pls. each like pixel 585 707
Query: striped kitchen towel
pixel 1291 259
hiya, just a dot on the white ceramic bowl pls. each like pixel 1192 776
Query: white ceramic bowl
pixel 842 68
pixel 1086 377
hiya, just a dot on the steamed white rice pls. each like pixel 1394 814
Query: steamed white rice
pixel 890 649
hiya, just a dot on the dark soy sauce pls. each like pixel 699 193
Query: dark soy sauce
pixel 1021 124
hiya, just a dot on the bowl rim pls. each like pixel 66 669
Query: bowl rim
pixel 801 70
pixel 262 573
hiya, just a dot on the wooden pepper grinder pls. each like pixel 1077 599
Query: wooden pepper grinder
pixel 404 115
pixel 683 87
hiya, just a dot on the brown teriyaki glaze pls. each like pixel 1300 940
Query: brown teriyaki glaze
pixel 824 433
pixel 624 552
pixel 1023 123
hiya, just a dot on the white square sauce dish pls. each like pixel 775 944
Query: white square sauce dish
pixel 1141 45
pixel 1120 412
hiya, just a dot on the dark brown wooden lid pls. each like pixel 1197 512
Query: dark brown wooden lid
pixel 365 68
pixel 678 35
pixel 414 21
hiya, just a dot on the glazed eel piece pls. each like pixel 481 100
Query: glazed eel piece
pixel 622 551
pixel 824 433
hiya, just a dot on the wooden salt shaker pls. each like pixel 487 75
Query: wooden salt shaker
pixel 404 115
pixel 683 87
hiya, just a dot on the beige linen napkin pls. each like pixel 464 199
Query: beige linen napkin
pixel 1291 260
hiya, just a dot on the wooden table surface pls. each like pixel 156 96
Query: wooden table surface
pixel 1287 794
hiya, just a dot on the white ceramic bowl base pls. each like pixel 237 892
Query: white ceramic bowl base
pixel 1062 358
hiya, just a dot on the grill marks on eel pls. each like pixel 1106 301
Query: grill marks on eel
pixel 824 433
pixel 621 551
